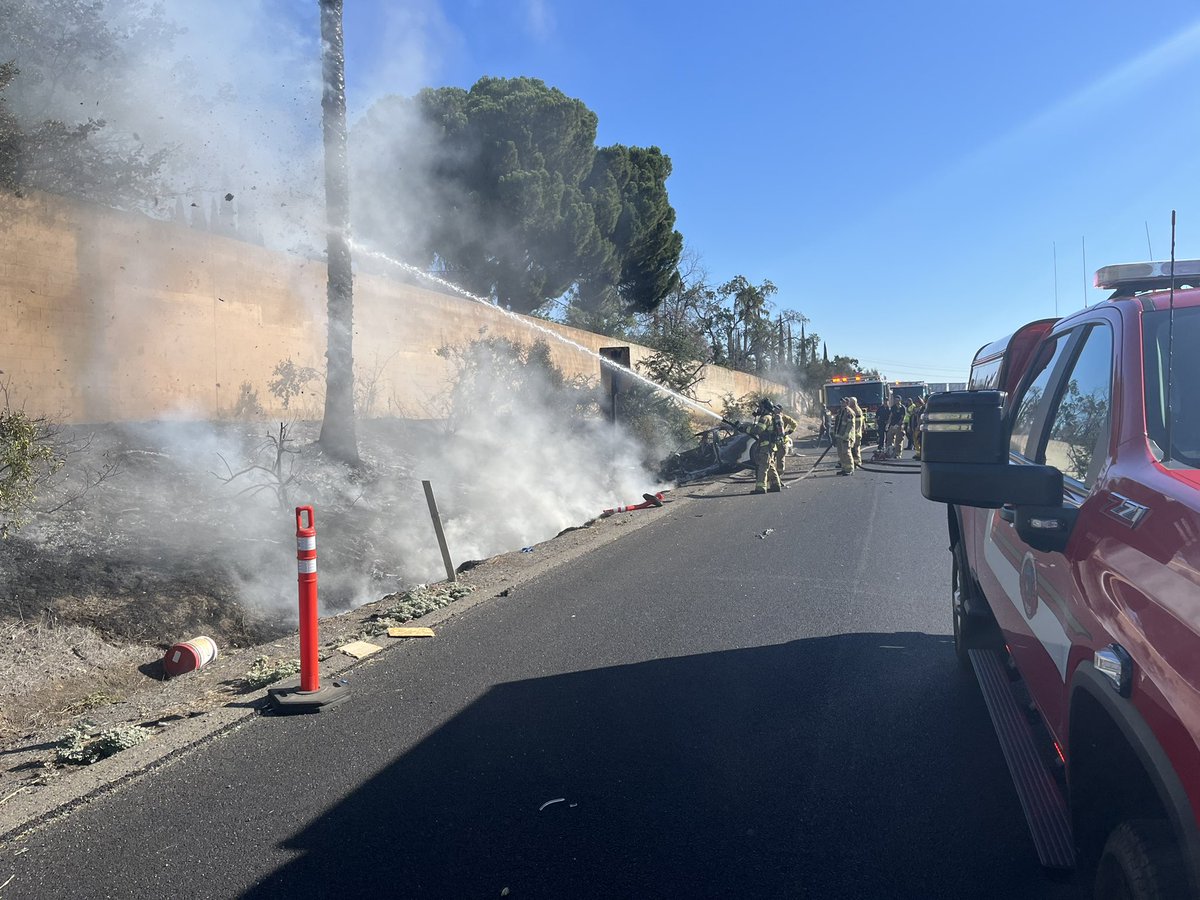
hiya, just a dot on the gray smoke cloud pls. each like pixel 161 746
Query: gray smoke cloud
pixel 233 88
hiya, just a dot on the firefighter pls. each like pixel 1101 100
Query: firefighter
pixel 896 426
pixel 860 428
pixel 843 431
pixel 918 411
pixel 881 422
pixel 908 423
pixel 769 431
pixel 787 425
pixel 826 431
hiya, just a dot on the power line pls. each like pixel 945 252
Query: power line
pixel 908 367
pixel 905 363
pixel 894 373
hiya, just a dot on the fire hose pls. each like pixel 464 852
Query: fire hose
pixel 817 463
pixel 894 467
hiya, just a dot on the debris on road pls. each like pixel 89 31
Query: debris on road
pixel 410 632
pixel 526 549
pixel 765 533
pixel 552 802
pixel 360 649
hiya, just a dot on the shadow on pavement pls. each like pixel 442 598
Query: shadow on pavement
pixel 743 773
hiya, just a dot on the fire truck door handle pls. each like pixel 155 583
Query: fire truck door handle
pixel 1008 514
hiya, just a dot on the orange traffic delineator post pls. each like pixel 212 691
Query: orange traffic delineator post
pixel 308 696
pixel 648 501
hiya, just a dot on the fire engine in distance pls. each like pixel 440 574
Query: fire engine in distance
pixel 871 393
pixel 909 390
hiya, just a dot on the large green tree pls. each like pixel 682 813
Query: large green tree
pixel 628 189
pixel 502 188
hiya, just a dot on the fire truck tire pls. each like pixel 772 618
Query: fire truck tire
pixel 1141 861
pixel 970 632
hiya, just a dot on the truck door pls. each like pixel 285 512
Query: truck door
pixel 1063 419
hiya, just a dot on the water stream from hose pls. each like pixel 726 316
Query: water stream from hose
pixel 529 323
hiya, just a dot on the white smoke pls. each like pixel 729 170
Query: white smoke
pixel 520 464
pixel 236 92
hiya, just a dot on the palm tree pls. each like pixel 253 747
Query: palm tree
pixel 337 429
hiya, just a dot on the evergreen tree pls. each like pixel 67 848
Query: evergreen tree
pixel 503 189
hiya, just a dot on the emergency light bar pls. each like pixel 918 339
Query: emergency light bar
pixel 1147 275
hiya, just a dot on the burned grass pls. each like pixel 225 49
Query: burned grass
pixel 163 550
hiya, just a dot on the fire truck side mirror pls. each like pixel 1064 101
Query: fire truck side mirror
pixel 964 427
pixel 964 456
pixel 991 485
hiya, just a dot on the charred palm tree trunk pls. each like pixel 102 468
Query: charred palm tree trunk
pixel 337 430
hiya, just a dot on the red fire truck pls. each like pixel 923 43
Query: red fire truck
pixel 871 393
pixel 910 390
pixel 1071 470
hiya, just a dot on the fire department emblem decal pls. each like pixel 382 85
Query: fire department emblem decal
pixel 1029 592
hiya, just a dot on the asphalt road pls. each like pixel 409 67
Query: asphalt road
pixel 715 712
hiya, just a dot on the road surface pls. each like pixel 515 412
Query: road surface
pixel 753 696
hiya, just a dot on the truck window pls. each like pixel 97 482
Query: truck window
pixel 1034 402
pixel 868 393
pixel 1077 444
pixel 985 376
pixel 1185 384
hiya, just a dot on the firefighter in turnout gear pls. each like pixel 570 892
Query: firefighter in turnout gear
pixel 770 430
pixel 788 426
pixel 917 413
pixel 843 432
pixel 860 428
pixel 896 426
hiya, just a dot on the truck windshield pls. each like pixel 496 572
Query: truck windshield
pixel 1185 384
pixel 911 391
pixel 868 393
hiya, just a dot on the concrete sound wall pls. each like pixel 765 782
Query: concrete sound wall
pixel 109 316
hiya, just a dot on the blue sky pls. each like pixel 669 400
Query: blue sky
pixel 904 173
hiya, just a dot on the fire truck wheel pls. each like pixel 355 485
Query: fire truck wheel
pixel 967 630
pixel 971 633
pixel 1140 862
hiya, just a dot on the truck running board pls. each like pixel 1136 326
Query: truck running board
pixel 1045 809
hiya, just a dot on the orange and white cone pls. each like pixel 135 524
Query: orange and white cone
pixel 649 501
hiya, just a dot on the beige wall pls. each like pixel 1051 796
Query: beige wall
pixel 110 316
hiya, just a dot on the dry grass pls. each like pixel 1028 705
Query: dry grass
pixel 50 671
